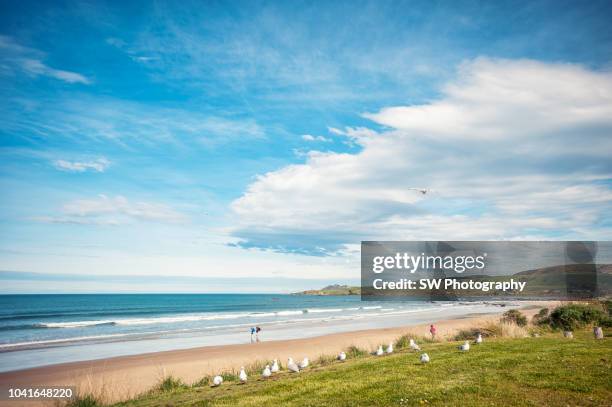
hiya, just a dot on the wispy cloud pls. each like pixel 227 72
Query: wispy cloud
pixel 310 137
pixel 512 149
pixel 30 61
pixel 133 55
pixel 105 210
pixel 257 52
pixel 85 119
pixel 99 165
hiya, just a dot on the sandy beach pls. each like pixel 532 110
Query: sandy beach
pixel 121 378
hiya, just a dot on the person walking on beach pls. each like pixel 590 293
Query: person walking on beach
pixel 432 331
pixel 257 331
pixel 252 333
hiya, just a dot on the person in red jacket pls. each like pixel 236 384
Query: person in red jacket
pixel 432 331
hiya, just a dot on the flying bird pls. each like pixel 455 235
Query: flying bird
pixel 423 191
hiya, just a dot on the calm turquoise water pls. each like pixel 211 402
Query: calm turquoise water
pixel 44 329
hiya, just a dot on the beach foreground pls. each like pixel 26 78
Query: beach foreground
pixel 123 378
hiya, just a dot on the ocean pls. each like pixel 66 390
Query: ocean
pixel 38 330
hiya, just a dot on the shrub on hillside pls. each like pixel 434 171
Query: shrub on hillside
pixel 403 342
pixel 170 384
pixel 84 401
pixel 514 316
pixel 354 352
pixel 541 318
pixel 471 333
pixel 607 306
pixel 500 329
pixel 606 322
pixel 573 316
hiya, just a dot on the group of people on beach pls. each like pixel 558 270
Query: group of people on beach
pixel 255 330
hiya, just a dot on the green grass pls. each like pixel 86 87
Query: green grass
pixel 170 384
pixel 544 371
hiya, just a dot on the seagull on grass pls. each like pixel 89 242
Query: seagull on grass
pixel 424 358
pixel 242 376
pixel 303 364
pixel 217 380
pixel 275 368
pixel 465 347
pixel 266 372
pixel 379 351
pixel 342 356
pixel 390 348
pixel 292 367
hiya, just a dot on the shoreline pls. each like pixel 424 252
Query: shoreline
pixel 125 377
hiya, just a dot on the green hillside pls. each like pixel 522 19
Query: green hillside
pixel 543 371
pixel 335 289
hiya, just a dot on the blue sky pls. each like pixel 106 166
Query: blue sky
pixel 255 144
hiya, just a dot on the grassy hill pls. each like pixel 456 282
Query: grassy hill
pixel 335 289
pixel 548 279
pixel 544 282
pixel 544 371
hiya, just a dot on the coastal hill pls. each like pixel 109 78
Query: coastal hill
pixel 543 281
pixel 334 289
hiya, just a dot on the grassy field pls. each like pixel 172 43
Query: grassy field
pixel 543 371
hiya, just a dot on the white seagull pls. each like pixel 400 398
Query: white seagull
pixel 379 351
pixel 390 348
pixel 242 375
pixel 479 338
pixel 266 372
pixel 342 356
pixel 217 380
pixel 424 358
pixel 465 347
pixel 275 368
pixel 303 364
pixel 291 366
pixel 413 345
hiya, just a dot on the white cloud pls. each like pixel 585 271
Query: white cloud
pixel 99 165
pixel 36 67
pixel 512 149
pixel 105 210
pixel 28 60
pixel 309 137
pixel 500 99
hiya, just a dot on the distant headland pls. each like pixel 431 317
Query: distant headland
pixel 334 289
